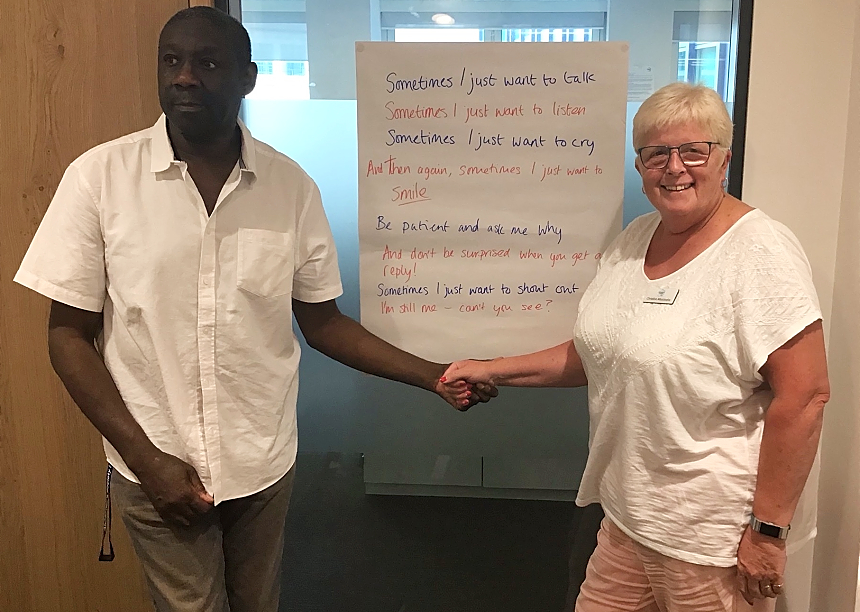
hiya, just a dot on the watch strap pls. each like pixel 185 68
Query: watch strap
pixel 769 529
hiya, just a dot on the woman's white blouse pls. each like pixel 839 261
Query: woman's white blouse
pixel 675 415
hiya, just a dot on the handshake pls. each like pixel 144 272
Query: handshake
pixel 466 383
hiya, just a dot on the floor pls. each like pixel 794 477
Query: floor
pixel 349 551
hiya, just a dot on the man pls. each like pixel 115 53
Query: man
pixel 182 251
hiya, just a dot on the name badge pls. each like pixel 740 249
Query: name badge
pixel 662 295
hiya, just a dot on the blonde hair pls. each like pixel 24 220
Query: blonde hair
pixel 680 104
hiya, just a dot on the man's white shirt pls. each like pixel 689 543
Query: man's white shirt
pixel 197 309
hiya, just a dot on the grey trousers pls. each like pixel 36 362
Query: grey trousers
pixel 228 562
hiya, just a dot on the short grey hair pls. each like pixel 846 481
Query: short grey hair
pixel 681 104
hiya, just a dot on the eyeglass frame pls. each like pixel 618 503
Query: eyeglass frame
pixel 678 149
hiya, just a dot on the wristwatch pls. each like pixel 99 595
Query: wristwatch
pixel 769 529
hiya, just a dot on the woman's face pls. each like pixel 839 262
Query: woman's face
pixel 684 195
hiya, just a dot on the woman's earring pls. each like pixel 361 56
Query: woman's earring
pixel 725 183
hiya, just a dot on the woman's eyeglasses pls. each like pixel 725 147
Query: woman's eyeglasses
pixel 691 153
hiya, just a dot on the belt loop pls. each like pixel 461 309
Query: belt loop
pixel 103 556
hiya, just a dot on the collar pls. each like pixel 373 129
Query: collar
pixel 163 156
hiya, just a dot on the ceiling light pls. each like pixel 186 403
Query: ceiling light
pixel 442 19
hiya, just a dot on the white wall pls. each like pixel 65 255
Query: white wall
pixel 801 167
pixel 834 577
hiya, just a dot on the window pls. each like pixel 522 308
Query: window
pixel 305 106
pixel 438 35
pixel 296 68
pixel 706 63
pixel 443 34
pixel 551 34
pixel 279 46
pixel 703 43
pixel 281 80
pixel 509 26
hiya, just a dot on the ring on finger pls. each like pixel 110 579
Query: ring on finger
pixel 767 589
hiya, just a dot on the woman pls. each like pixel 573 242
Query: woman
pixel 701 342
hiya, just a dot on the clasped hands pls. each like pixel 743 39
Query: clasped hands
pixel 466 383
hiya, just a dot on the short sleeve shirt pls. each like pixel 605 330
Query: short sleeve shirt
pixel 676 408
pixel 197 309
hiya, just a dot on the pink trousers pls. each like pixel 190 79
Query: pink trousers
pixel 624 576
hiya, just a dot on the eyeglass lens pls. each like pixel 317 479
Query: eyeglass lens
pixel 691 154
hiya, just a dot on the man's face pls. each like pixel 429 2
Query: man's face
pixel 200 80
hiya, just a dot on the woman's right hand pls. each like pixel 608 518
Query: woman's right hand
pixel 470 371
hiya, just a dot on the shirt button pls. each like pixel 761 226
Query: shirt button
pixel 205 282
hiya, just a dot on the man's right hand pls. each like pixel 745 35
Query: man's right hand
pixel 171 485
pixel 174 488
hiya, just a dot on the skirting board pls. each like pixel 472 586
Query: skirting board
pixel 500 477
pixel 371 488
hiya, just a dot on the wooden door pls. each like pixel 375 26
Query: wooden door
pixel 72 75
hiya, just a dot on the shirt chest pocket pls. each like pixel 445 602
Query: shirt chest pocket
pixel 265 262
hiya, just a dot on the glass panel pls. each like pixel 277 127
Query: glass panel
pixel 438 35
pixel 304 105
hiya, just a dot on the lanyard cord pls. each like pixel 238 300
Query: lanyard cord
pixel 107 556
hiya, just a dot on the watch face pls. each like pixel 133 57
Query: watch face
pixel 769 530
pixel 773 531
